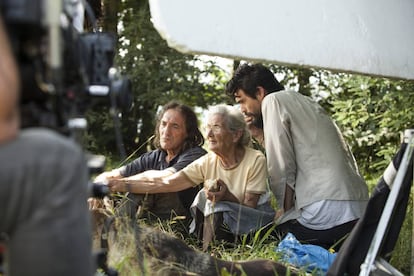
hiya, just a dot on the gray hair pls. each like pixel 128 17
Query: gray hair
pixel 234 120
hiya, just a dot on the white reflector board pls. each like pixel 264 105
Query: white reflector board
pixel 374 37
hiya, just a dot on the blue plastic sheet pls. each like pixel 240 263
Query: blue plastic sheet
pixel 313 258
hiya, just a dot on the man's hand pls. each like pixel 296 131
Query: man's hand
pixel 118 185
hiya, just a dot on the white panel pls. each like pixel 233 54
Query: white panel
pixel 374 37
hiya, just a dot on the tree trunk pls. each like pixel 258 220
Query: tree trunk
pixel 110 15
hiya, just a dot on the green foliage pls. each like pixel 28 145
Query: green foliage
pixel 372 113
pixel 158 74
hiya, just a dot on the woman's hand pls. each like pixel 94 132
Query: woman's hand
pixel 151 183
pixel 222 193
pixel 103 178
pixel 106 176
pixel 137 184
pixel 218 193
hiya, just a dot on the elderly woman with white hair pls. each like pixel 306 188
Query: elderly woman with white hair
pixel 235 199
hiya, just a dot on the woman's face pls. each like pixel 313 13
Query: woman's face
pixel 219 137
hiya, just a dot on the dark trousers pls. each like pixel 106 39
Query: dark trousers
pixel 329 238
pixel 153 206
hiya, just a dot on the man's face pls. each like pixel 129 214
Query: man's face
pixel 250 107
pixel 172 131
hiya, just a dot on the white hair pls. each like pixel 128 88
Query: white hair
pixel 233 119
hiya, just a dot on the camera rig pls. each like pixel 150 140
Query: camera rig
pixel 63 69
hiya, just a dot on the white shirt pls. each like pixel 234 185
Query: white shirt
pixel 326 214
pixel 306 151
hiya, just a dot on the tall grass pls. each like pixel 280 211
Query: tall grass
pixel 123 255
pixel 124 258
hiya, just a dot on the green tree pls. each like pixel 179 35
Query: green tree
pixel 372 112
pixel 158 74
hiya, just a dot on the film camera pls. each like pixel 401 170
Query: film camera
pixel 63 69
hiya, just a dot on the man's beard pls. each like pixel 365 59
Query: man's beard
pixel 258 121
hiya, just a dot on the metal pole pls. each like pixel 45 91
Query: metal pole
pixel 407 134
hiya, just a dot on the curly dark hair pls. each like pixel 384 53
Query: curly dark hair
pixel 249 77
pixel 194 138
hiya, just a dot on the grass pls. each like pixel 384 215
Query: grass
pixel 123 257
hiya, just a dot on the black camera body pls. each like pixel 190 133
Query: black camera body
pixel 63 70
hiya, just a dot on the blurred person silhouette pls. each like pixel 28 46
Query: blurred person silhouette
pixel 44 219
